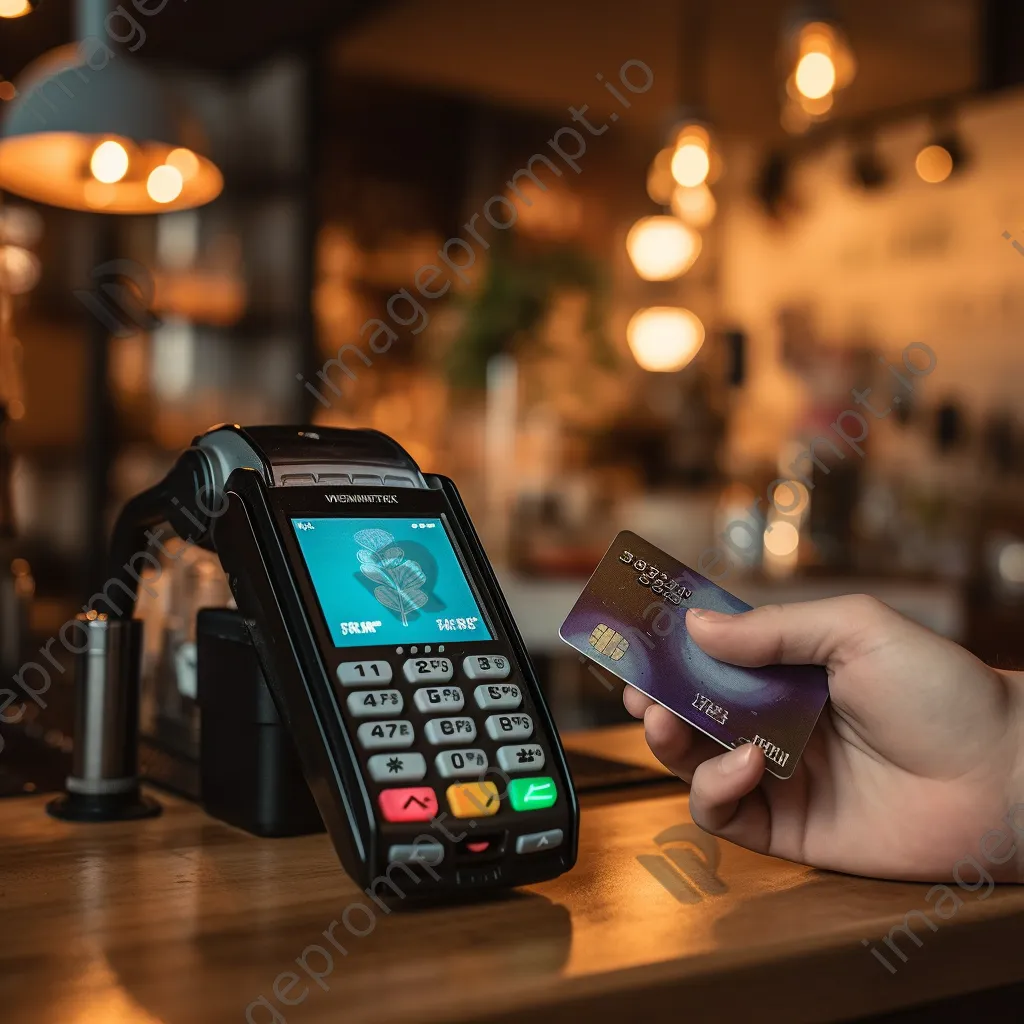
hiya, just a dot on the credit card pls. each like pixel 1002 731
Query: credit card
pixel 631 620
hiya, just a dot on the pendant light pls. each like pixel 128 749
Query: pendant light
pixel 92 129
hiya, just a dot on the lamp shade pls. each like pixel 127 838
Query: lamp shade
pixel 105 139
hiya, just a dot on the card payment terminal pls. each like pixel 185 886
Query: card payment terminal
pixel 388 647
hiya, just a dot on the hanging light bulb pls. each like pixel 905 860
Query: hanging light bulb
pixel 664 339
pixel 691 159
pixel 821 63
pixel 815 75
pixel 662 247
pixel 694 206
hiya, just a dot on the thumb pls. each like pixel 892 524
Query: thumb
pixel 810 633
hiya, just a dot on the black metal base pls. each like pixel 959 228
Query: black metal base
pixel 128 806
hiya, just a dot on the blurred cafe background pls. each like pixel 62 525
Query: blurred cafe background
pixel 688 235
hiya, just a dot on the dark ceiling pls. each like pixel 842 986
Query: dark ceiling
pixel 909 51
pixel 213 35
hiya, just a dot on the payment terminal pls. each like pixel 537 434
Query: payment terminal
pixel 388 647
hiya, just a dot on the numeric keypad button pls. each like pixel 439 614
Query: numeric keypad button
pixel 498 697
pixel 461 764
pixel 428 670
pixel 486 666
pixel 509 727
pixel 445 731
pixel 522 757
pixel 375 703
pixel 397 767
pixel 434 699
pixel 364 673
pixel 390 735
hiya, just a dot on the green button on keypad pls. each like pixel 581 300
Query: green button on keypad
pixel 532 794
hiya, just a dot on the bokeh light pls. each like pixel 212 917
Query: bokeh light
pixel 691 163
pixel 109 163
pixel 934 164
pixel 184 161
pixel 664 339
pixel 14 8
pixel 815 75
pixel 662 247
pixel 694 206
pixel 781 539
pixel 164 184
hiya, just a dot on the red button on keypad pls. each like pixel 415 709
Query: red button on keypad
pixel 416 803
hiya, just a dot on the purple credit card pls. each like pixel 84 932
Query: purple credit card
pixel 631 620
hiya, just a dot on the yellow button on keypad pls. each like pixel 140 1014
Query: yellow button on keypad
pixel 473 799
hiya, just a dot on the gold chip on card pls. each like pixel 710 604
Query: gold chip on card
pixel 608 642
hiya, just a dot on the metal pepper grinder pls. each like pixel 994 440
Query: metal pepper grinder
pixel 104 780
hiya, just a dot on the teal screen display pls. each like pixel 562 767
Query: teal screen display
pixel 389 581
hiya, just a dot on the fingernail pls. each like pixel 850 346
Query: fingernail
pixel 708 615
pixel 736 760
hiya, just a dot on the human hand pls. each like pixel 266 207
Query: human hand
pixel 919 753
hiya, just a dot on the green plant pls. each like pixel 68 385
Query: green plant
pixel 513 300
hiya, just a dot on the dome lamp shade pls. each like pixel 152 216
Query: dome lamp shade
pixel 99 133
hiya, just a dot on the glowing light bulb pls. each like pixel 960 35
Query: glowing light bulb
pixel 781 539
pixel 691 162
pixel 815 75
pixel 662 247
pixel 694 206
pixel 185 161
pixel 14 8
pixel 164 184
pixel 664 339
pixel 109 162
pixel 934 164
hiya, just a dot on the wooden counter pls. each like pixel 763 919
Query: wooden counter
pixel 183 920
